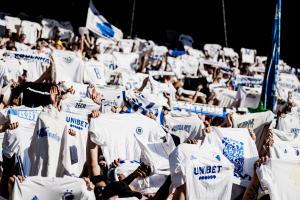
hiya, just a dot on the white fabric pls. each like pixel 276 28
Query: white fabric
pixel 114 133
pixel 127 61
pixel 249 97
pixel 47 30
pixel 286 146
pixel 10 69
pixel 30 29
pixel 94 73
pixel 257 121
pixel 35 188
pixel 68 66
pixel 65 30
pixel 185 126
pixel 289 123
pixel 248 55
pixel 240 149
pixel 12 23
pixel 17 141
pixel 206 172
pixel 74 155
pixel 281 178
pixel 126 45
pixel 83 106
pixel 213 50
pixel 156 154
pixel 21 46
pixel 111 96
pixel 45 148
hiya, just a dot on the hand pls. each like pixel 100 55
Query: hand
pixel 192 141
pixel 71 132
pixel 94 114
pixel 13 125
pixel 54 95
pixel 252 134
pixel 142 171
pixel 90 186
pixel 115 164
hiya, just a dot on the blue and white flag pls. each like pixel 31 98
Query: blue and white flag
pixel 272 71
pixel 96 23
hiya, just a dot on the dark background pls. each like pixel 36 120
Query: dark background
pixel 249 23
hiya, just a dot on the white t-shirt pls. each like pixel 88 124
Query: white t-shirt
pixel 111 96
pixel 48 25
pixel 240 149
pixel 286 146
pixel 10 69
pixel 35 188
pixel 160 88
pixel 281 178
pixel 248 55
pixel 115 134
pixel 184 125
pixel 126 45
pixel 12 23
pixel 94 73
pixel 249 97
pixel 17 141
pixel 30 29
pixel 68 66
pixel 127 61
pixel 156 154
pixel 206 172
pixel 45 148
pixel 83 106
pixel 289 124
pixel 75 146
pixel 213 50
pixel 257 121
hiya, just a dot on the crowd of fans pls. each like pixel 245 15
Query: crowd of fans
pixel 85 117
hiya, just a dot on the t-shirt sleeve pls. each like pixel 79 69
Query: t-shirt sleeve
pixel 264 174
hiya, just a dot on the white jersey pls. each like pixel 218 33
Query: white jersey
pixel 94 73
pixel 69 67
pixel 159 88
pixel 126 45
pixel 48 25
pixel 184 125
pixel 42 188
pixel 249 97
pixel 74 147
pixel 115 134
pixel 289 123
pixel 12 23
pixel 111 96
pixel 213 50
pixel 257 121
pixel 127 61
pixel 34 63
pixel 281 178
pixel 45 148
pixel 83 106
pixel 240 149
pixel 286 146
pixel 30 29
pixel 248 55
pixel 205 171
pixel 156 154
pixel 11 69
pixel 17 141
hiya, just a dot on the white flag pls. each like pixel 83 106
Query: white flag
pixel 96 23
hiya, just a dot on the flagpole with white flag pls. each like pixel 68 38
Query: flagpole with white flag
pixel 269 90
pixel 96 23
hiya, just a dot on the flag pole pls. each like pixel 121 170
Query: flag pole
pixel 132 18
pixel 224 22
